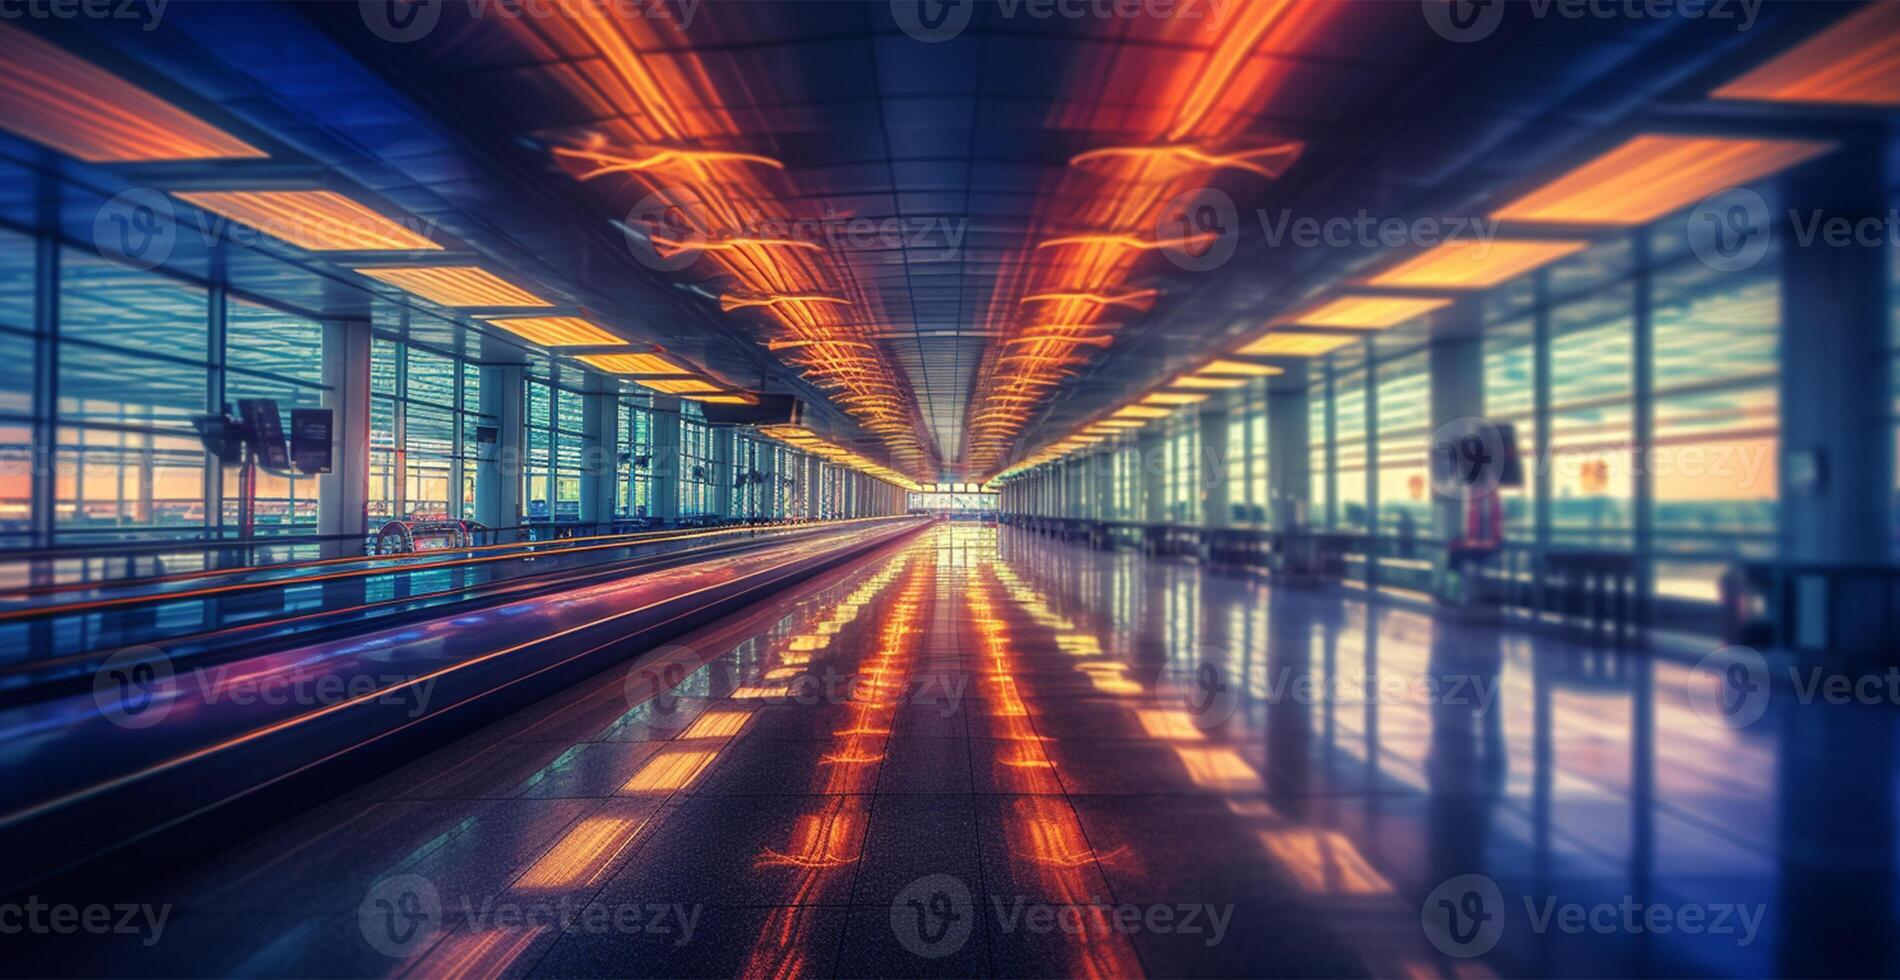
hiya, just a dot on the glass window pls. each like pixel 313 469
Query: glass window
pixel 1405 411
pixel 133 372
pixel 1717 409
pixel 1591 404
pixel 275 355
pixel 1510 398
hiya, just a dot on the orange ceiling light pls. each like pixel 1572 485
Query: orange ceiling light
pixel 320 221
pixel 738 398
pixel 668 247
pixel 1653 175
pixel 1369 312
pixel 679 386
pixel 1207 94
pixel 1174 398
pixel 633 364
pixel 557 331
pixel 1141 412
pixel 792 343
pixel 62 101
pixel 1472 265
pixel 1207 382
pixel 455 285
pixel 1855 62
pixel 1239 368
pixel 730 302
pixel 1292 343
pixel 1176 159
pixel 1129 241
pixel 1134 298
pixel 675 133
pixel 1085 340
pixel 660 158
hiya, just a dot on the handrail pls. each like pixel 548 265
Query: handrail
pixel 118 583
pixel 456 559
pixel 270 629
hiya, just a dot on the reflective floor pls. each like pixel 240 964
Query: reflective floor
pixel 989 754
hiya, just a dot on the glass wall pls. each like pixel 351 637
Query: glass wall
pixel 634 497
pixel 1404 429
pixel 134 368
pixel 552 476
pixel 17 264
pixel 1716 368
pixel 424 415
pixel 698 466
pixel 267 355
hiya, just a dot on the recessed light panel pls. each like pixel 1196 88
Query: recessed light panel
pixel 1473 265
pixel 1286 343
pixel 321 221
pixel 1855 62
pixel 1369 312
pixel 1653 175
pixel 557 331
pixel 67 103
pixel 456 285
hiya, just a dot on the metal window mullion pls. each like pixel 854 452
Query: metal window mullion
pixel 217 333
pixel 1371 422
pixel 1643 421
pixel 45 483
pixel 399 434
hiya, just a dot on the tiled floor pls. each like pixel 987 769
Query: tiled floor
pixel 986 753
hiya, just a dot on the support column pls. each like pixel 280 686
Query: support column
pixel 1289 460
pixel 343 493
pixel 1216 464
pixel 724 471
pixel 45 468
pixel 1152 449
pixel 600 446
pixel 665 464
pixel 1457 391
pixel 1834 387
pixel 499 468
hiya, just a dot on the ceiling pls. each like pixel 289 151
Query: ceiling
pixel 963 241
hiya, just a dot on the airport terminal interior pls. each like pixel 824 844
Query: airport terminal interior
pixel 952 488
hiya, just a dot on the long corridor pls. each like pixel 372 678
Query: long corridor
pixel 980 753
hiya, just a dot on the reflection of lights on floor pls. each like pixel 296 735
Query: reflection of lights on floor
pixel 478 954
pixel 1218 769
pixel 1324 862
pixel 670 770
pixel 762 691
pixel 584 854
pixel 827 840
pixel 717 724
pixel 1168 724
